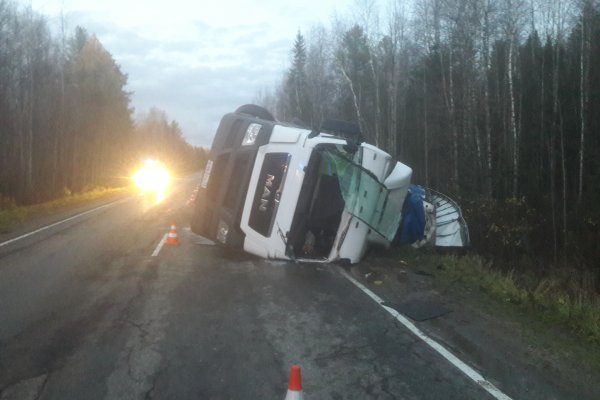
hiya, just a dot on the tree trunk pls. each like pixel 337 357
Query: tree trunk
pixel 563 168
pixel 486 102
pixel 378 138
pixel 453 123
pixel 29 133
pixel 583 84
pixel 393 107
pixel 475 128
pixel 359 117
pixel 512 121
pixel 555 111
pixel 448 86
pixel 425 128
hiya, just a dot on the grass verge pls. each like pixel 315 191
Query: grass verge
pixel 12 215
pixel 563 295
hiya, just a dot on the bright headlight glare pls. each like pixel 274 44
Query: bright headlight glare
pixel 251 134
pixel 222 231
pixel 153 177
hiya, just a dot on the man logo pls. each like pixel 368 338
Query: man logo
pixel 264 199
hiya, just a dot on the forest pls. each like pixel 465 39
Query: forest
pixel 494 102
pixel 66 122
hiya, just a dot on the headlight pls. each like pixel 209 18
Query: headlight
pixel 153 177
pixel 222 231
pixel 251 134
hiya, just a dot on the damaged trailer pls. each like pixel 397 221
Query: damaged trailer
pixel 281 191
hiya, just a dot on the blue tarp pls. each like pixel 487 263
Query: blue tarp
pixel 412 227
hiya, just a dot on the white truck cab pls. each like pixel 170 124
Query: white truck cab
pixel 280 191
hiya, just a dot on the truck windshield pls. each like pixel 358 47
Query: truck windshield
pixel 364 196
pixel 333 184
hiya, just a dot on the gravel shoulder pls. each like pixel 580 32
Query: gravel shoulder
pixel 525 356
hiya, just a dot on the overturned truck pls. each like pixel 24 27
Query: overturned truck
pixel 282 191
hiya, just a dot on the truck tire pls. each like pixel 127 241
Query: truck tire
pixel 255 111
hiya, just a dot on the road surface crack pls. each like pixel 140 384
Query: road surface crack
pixel 150 393
pixel 28 388
pixel 342 350
pixel 41 389
pixel 142 328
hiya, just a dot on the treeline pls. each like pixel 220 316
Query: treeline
pixel 496 102
pixel 65 117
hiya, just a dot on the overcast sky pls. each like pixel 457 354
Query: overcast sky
pixel 193 60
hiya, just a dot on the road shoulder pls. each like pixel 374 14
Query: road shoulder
pixel 526 358
pixel 60 214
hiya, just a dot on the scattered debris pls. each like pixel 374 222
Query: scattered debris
pixel 424 273
pixel 402 276
pixel 420 310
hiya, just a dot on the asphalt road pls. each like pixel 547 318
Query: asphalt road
pixel 86 312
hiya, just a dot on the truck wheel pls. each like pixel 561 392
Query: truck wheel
pixel 255 111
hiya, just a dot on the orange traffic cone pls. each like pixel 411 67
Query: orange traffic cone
pixel 295 387
pixel 172 239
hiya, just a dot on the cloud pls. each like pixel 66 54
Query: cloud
pixel 200 96
pixel 194 60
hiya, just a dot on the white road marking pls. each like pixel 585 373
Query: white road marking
pixel 464 368
pixel 160 245
pixel 62 222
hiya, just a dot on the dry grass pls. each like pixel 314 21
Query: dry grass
pixel 563 295
pixel 12 215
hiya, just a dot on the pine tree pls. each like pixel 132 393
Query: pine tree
pixel 296 86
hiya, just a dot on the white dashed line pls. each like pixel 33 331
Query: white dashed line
pixel 160 245
pixel 464 368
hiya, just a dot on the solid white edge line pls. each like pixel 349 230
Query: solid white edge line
pixel 464 368
pixel 62 222
pixel 160 245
